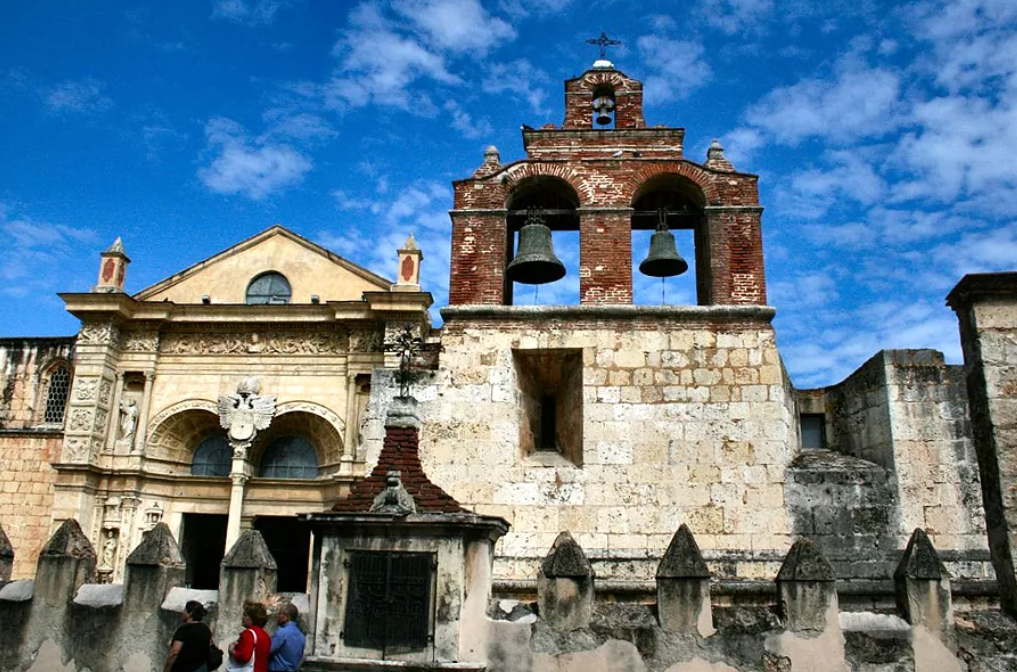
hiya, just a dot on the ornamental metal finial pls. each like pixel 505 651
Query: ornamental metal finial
pixel 603 42
pixel 409 347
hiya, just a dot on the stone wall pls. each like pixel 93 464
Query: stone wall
pixel 24 367
pixel 686 419
pixel 27 443
pixel 900 456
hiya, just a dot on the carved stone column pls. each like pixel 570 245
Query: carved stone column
pixel 114 412
pixel 239 476
pixel 350 440
pixel 141 433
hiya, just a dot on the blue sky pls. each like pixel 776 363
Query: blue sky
pixel 884 134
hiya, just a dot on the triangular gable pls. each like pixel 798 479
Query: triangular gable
pixel 309 268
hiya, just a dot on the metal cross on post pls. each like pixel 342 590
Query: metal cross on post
pixel 408 346
pixel 603 42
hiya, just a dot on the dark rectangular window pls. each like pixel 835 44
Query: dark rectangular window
pixel 813 430
pixel 548 429
pixel 389 600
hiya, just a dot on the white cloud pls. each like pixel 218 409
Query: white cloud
pixel 463 122
pixel 85 96
pixel 380 65
pixel 247 12
pixel 456 25
pixel 521 79
pixel 812 192
pixel 41 256
pixel 858 102
pixel 524 8
pixel 676 68
pixel 740 145
pixel 735 16
pixel 255 169
pixel 304 127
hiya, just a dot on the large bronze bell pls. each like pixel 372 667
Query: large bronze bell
pixel 535 263
pixel 663 261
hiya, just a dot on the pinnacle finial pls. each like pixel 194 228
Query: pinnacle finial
pixel 117 247
pixel 410 244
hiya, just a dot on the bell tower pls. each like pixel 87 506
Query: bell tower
pixel 605 174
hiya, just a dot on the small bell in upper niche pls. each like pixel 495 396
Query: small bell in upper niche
pixel 535 263
pixel 663 261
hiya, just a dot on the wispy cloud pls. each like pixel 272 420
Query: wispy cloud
pixel 35 245
pixel 247 12
pixel 521 79
pixel 253 168
pixel 464 122
pixel 677 67
pixel 85 96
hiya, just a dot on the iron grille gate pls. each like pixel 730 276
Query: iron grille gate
pixel 389 600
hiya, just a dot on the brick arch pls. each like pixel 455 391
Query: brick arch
pixel 689 171
pixel 525 171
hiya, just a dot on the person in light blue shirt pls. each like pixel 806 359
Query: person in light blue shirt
pixel 287 642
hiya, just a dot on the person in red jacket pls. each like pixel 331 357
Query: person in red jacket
pixel 253 641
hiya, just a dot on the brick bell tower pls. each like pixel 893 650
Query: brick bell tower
pixel 604 173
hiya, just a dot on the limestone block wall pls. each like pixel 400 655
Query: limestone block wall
pixel 904 416
pixel 687 418
pixel 26 493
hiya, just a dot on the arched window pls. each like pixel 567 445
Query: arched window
pixel 269 287
pixel 212 457
pixel 289 457
pixel 56 395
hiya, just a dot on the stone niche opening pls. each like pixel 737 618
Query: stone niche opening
pixel 551 402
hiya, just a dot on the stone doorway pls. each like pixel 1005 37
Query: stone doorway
pixel 204 545
pixel 289 541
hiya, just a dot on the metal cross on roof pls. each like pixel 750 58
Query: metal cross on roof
pixel 604 42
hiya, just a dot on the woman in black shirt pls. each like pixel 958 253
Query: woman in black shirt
pixel 189 648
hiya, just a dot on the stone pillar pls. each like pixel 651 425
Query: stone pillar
pixel 154 567
pixel 922 586
pixel 114 415
pixel 66 562
pixel 806 589
pixel 683 587
pixel 986 306
pixel 239 476
pixel 565 594
pixel 605 256
pixel 141 433
pixel 248 572
pixel 6 557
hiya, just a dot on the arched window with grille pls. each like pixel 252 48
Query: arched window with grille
pixel 269 287
pixel 56 394
pixel 212 457
pixel 289 457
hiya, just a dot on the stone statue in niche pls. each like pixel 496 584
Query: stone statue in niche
pixel 245 413
pixel 394 499
pixel 128 420
pixel 109 550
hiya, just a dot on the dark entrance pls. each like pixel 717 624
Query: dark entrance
pixel 203 547
pixel 388 605
pixel 289 541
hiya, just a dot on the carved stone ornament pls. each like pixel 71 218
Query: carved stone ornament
pixel 268 343
pixel 76 448
pixel 245 413
pixel 365 340
pixel 82 420
pixel 105 388
pixel 140 341
pixel 98 333
pixel 314 409
pixel 394 499
pixel 85 389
